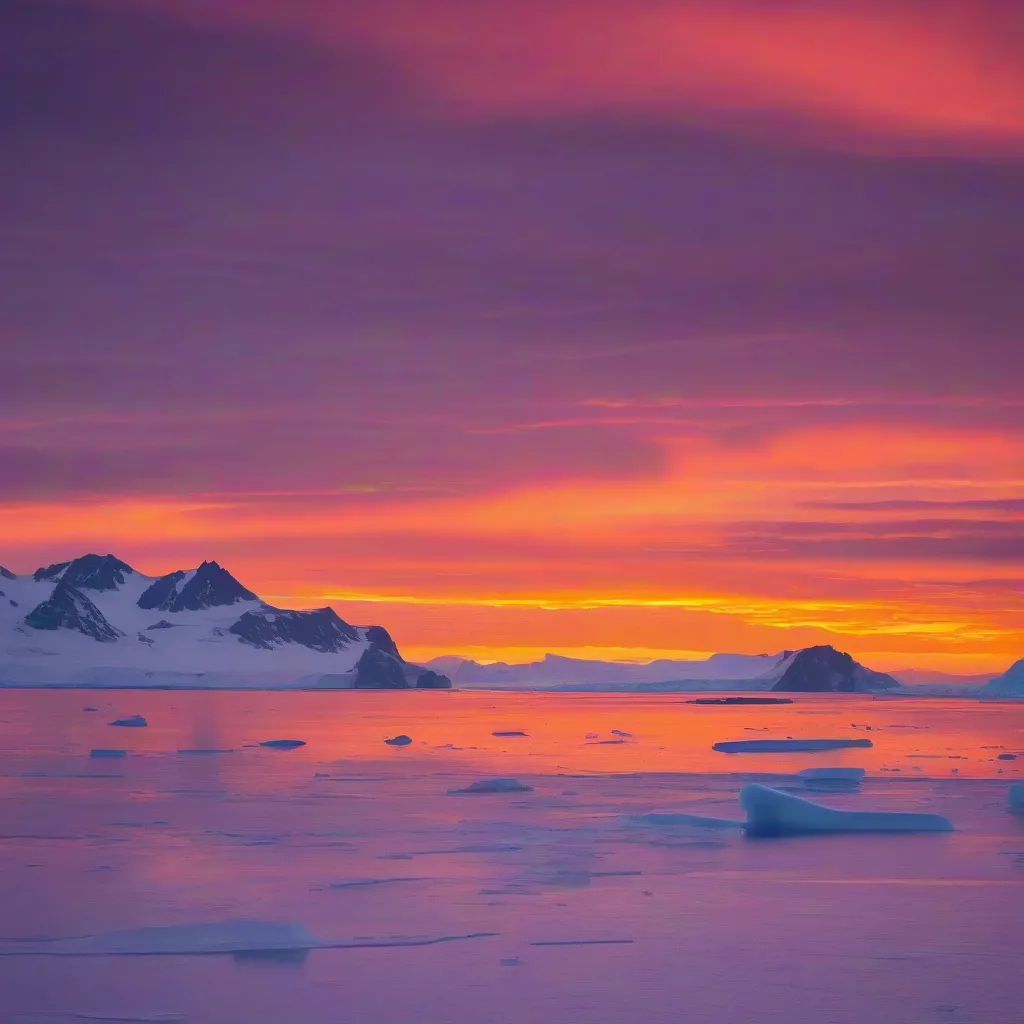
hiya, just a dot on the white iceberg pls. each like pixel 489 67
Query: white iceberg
pixel 773 813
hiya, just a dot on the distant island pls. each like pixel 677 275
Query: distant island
pixel 817 669
pixel 95 621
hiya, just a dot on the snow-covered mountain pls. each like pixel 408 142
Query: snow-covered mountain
pixel 1009 684
pixel 554 670
pixel 96 621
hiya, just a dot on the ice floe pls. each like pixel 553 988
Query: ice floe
pixel 211 938
pixel 582 942
pixel 282 744
pixel 366 883
pixel 772 813
pixel 668 820
pixel 494 786
pixel 832 778
pixel 741 700
pixel 399 741
pixel 508 732
pixel 786 746
pixel 131 722
pixel 107 752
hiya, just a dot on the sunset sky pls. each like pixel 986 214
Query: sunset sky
pixel 615 328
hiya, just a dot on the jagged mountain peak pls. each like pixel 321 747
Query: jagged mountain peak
pixel 87 572
pixel 7 574
pixel 208 586
pixel 380 638
pixel 823 669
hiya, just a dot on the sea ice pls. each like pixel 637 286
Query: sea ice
pixel 832 774
pixel 131 722
pixel 509 732
pixel 662 819
pixel 785 746
pixel 773 813
pixel 494 786
pixel 1017 797
pixel 832 778
pixel 131 1018
pixel 1007 757
pixel 282 744
pixel 236 936
pixel 364 883
pixel 741 700
pixel 107 752
pixel 582 942
pixel 621 732
pixel 399 741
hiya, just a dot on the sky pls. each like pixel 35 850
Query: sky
pixel 612 328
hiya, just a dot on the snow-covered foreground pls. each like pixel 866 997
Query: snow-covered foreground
pixel 342 880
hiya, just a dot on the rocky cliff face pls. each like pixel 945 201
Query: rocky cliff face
pixel 68 608
pixel 321 629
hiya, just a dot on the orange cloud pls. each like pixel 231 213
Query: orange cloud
pixel 747 546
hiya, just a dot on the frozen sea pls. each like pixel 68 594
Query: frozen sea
pixel 559 906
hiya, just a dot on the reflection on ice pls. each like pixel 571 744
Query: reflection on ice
pixel 642 841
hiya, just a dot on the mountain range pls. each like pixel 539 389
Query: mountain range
pixel 96 621
pixel 813 669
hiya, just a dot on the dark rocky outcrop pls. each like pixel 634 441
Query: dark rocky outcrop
pixel 379 637
pixel 161 592
pixel 430 680
pixel 321 630
pixel 89 572
pixel 7 574
pixel 162 624
pixel 210 586
pixel 825 670
pixel 68 608
pixel 378 670
pixel 50 572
